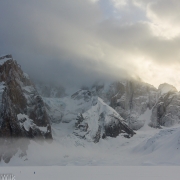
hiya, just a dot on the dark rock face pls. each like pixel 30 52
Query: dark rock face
pixel 22 113
pixel 114 130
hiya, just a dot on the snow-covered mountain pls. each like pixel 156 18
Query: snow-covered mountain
pixel 132 99
pixel 22 112
pixel 134 102
pixel 127 116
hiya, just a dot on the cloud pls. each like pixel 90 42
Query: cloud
pixel 46 35
pixel 120 3
pixel 77 42
pixel 164 14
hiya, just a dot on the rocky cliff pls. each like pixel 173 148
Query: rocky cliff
pixel 22 112
pixel 130 98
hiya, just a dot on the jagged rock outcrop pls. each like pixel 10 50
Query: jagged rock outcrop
pixel 130 98
pixel 22 112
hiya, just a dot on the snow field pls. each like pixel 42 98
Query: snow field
pixel 95 173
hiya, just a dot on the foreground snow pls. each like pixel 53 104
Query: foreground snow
pixel 150 154
pixel 148 147
pixel 89 173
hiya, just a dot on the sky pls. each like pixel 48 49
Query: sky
pixel 75 43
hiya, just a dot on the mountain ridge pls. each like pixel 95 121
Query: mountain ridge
pixel 102 111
